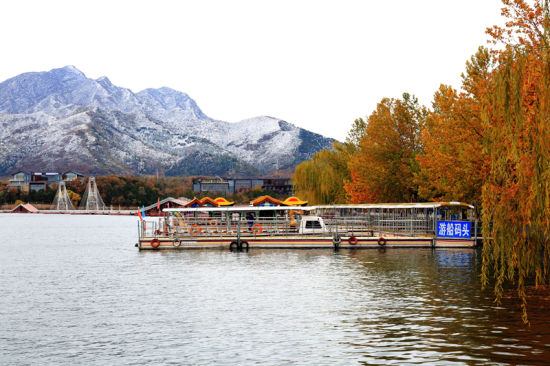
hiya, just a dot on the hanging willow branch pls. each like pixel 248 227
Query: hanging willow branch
pixel 516 195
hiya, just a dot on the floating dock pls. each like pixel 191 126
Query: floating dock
pixel 435 225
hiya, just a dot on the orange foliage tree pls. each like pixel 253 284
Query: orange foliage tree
pixel 454 164
pixel 384 166
pixel 516 194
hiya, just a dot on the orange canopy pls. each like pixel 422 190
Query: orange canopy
pixel 294 201
pixel 266 201
pixel 206 201
pixel 223 202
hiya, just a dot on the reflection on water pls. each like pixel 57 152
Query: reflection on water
pixel 76 291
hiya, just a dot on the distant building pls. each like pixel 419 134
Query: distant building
pixel 212 185
pixel 38 181
pixel 71 175
pixel 280 185
pixel 229 185
pixel 20 181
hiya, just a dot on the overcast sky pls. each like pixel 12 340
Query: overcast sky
pixel 316 64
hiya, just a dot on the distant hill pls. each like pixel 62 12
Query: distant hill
pixel 61 120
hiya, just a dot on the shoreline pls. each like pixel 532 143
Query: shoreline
pixel 77 212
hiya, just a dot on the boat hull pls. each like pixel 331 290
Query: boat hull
pixel 298 242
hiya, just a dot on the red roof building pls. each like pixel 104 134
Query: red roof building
pixel 24 208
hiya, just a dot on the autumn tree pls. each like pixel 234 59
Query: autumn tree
pixel 384 166
pixel 74 197
pixel 356 133
pixel 516 194
pixel 453 163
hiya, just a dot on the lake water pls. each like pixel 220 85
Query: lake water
pixel 75 290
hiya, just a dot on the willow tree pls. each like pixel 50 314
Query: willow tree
pixel 516 194
pixel 384 166
pixel 321 179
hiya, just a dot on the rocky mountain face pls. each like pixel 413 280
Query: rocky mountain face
pixel 61 120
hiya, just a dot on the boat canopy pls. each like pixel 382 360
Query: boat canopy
pixel 223 202
pixel 239 209
pixel 400 205
pixel 267 201
pixel 294 201
pixel 421 205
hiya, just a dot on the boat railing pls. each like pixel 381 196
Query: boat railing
pixel 216 226
pixel 228 227
pixel 371 224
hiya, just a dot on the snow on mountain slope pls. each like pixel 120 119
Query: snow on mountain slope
pixel 169 105
pixel 63 120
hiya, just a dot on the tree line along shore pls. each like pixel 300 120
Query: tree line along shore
pixel 126 192
pixel 487 144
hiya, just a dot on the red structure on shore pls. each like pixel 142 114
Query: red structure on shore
pixel 156 208
pixel 24 208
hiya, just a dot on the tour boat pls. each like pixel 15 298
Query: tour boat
pixel 434 224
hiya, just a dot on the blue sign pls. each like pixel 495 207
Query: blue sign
pixel 454 229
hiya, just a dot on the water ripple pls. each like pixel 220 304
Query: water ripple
pixel 76 291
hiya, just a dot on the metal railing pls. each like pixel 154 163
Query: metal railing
pixel 366 225
pixel 222 227
pixel 410 226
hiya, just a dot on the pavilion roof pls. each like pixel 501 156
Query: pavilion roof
pixel 181 202
pixel 206 201
pixel 266 201
pixel 223 202
pixel 26 207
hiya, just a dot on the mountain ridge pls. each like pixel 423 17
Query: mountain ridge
pixel 61 119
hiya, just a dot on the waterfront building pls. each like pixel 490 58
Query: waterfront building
pixel 228 186
pixel 20 180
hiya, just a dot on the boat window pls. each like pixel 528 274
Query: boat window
pixel 313 225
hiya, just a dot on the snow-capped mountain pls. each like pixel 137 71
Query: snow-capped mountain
pixel 50 91
pixel 62 120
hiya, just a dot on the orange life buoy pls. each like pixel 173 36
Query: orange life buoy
pixel 381 241
pixel 155 243
pixel 257 228
pixel 293 221
pixel 352 240
pixel 195 232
